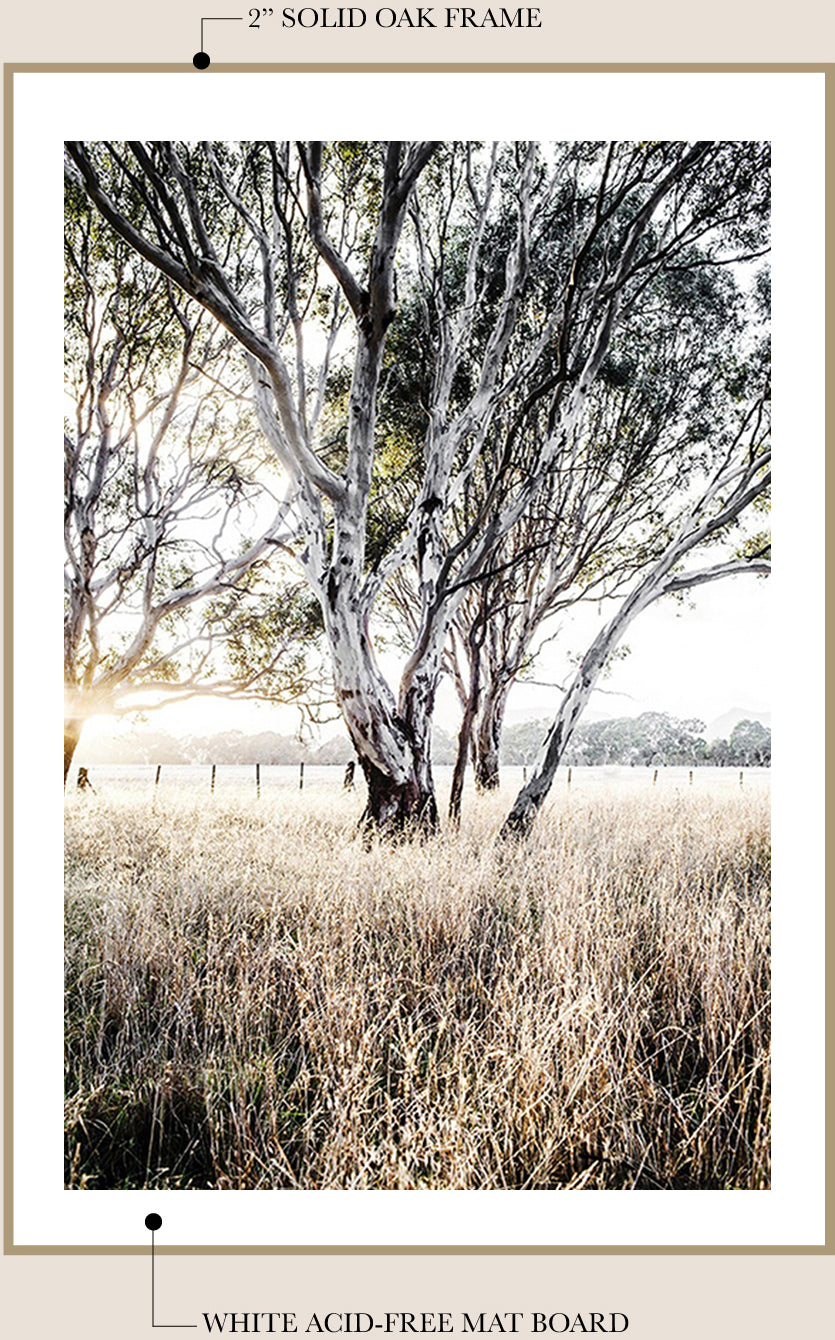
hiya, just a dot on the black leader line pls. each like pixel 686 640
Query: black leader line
pixel 200 60
pixel 223 18
pixel 153 1222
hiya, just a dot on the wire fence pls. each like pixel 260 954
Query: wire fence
pixel 266 779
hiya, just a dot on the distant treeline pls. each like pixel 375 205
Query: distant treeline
pixel 647 740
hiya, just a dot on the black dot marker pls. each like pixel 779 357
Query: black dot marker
pixel 201 61
pixel 153 1221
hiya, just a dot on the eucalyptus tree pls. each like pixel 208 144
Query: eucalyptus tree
pixel 673 373
pixel 750 744
pixel 164 594
pixel 274 238
pixel 737 478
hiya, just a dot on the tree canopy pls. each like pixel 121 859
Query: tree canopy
pixel 582 377
pixel 170 506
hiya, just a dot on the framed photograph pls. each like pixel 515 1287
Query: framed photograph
pixel 421 651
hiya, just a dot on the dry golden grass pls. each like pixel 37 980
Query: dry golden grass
pixel 255 1000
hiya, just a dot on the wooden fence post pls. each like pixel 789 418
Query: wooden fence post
pixel 655 777
pixel 524 774
pixel 568 782
pixel 691 776
pixel 301 775
pixel 157 777
pixel 740 777
pixel 214 770
pixel 348 784
pixel 258 781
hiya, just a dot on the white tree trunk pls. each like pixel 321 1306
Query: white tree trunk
pixel 529 800
pixel 395 760
pixel 488 738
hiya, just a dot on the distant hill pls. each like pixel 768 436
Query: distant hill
pixel 721 727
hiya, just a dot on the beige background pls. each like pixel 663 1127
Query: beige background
pixel 609 30
pixel 669 1296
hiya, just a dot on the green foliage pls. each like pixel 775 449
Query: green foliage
pixel 269 636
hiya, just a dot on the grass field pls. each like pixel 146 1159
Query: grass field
pixel 254 1000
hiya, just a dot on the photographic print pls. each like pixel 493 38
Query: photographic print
pixel 417 709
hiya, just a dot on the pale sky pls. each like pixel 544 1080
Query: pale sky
pixel 690 662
